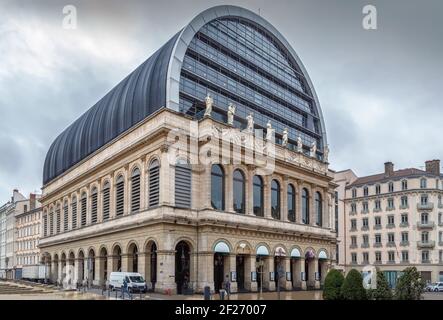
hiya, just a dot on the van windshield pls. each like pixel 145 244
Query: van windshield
pixel 137 279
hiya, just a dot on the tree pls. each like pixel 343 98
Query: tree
pixel 382 292
pixel 352 288
pixel 333 282
pixel 410 286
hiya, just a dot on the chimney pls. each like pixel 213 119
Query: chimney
pixel 433 167
pixel 32 201
pixel 389 168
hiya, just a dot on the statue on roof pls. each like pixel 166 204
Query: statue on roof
pixel 209 102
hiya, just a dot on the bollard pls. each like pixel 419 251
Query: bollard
pixel 207 293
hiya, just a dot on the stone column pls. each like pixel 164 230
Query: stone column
pixel 303 283
pixel 284 200
pixel 141 263
pixel 267 196
pixel 231 266
pixel 147 259
pixel 249 268
pixel 76 275
pixel 229 186
pixel 194 256
pixel 85 269
pixel 296 276
pixel 205 271
pixel 111 264
pixel 99 276
pixel 287 284
pixel 125 262
pixel 268 268
pixel 316 282
pixel 250 191
pixel 59 272
pixel 167 173
pixel 166 272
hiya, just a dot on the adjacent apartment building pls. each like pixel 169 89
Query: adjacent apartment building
pixel 119 195
pixel 392 220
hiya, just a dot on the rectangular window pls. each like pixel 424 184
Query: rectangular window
pixel 377 221
pixel 424 199
pixel 425 256
pixel 365 222
pixel 391 256
pixel 377 205
pixel 378 256
pixel 404 237
pixel 354 240
pixel 390 219
pixel 404 256
pixel 365 257
pixel 391 237
pixel 404 218
pixel 353 224
pixel 390 203
pixel 365 239
pixel 354 257
pixel 378 238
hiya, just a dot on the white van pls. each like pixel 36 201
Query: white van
pixel 135 281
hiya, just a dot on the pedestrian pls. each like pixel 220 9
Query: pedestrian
pixel 228 287
pixel 125 287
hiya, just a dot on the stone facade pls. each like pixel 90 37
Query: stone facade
pixel 393 220
pixel 177 247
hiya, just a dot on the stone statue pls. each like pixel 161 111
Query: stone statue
pixel 209 102
pixel 285 137
pixel 313 152
pixel 250 119
pixel 231 113
pixel 326 154
pixel 269 131
pixel 299 145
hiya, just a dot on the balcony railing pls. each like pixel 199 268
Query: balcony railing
pixel 404 206
pixel 404 243
pixel 365 245
pixel 404 224
pixel 378 245
pixel 427 206
pixel 352 246
pixel 377 210
pixel 390 244
pixel 390 226
pixel 364 228
pixel 377 227
pixel 425 224
pixel 390 208
pixel 426 244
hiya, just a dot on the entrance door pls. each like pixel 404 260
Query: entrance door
pixel 182 264
pixel 240 268
pixel 218 271
pixel 307 271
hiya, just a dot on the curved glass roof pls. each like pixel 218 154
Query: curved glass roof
pixel 228 51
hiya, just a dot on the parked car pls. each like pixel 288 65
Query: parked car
pixel 135 281
pixel 434 287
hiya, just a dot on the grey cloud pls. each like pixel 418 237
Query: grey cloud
pixel 379 90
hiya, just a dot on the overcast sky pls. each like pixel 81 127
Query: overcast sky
pixel 380 90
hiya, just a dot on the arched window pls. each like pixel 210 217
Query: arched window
pixel 423 183
pixel 45 224
pixel 291 203
pixel 83 203
pixel 305 206
pixel 119 196
pixel 106 197
pixel 154 183
pixel 319 209
pixel 74 212
pixel 51 222
pixel 258 196
pixel 94 205
pixel 275 199
pixel 217 187
pixel 183 182
pixel 377 189
pixel 239 191
pixel 65 216
pixel 135 190
pixel 57 218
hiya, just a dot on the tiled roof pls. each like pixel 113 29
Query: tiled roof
pixel 381 177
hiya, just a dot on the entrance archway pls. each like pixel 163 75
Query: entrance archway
pixel 103 265
pixel 133 258
pixel 322 266
pixel 262 254
pixel 182 266
pixel 310 268
pixel 240 261
pixel 221 266
pixel 90 267
pixel 117 259
pixel 151 264
pixel 296 268
pixel 81 267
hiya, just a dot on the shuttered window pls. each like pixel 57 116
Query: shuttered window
pixel 183 185
pixel 135 190
pixel 83 210
pixel 57 219
pixel 94 206
pixel 119 198
pixel 65 216
pixel 74 213
pixel 45 225
pixel 106 192
pixel 154 183
pixel 51 223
